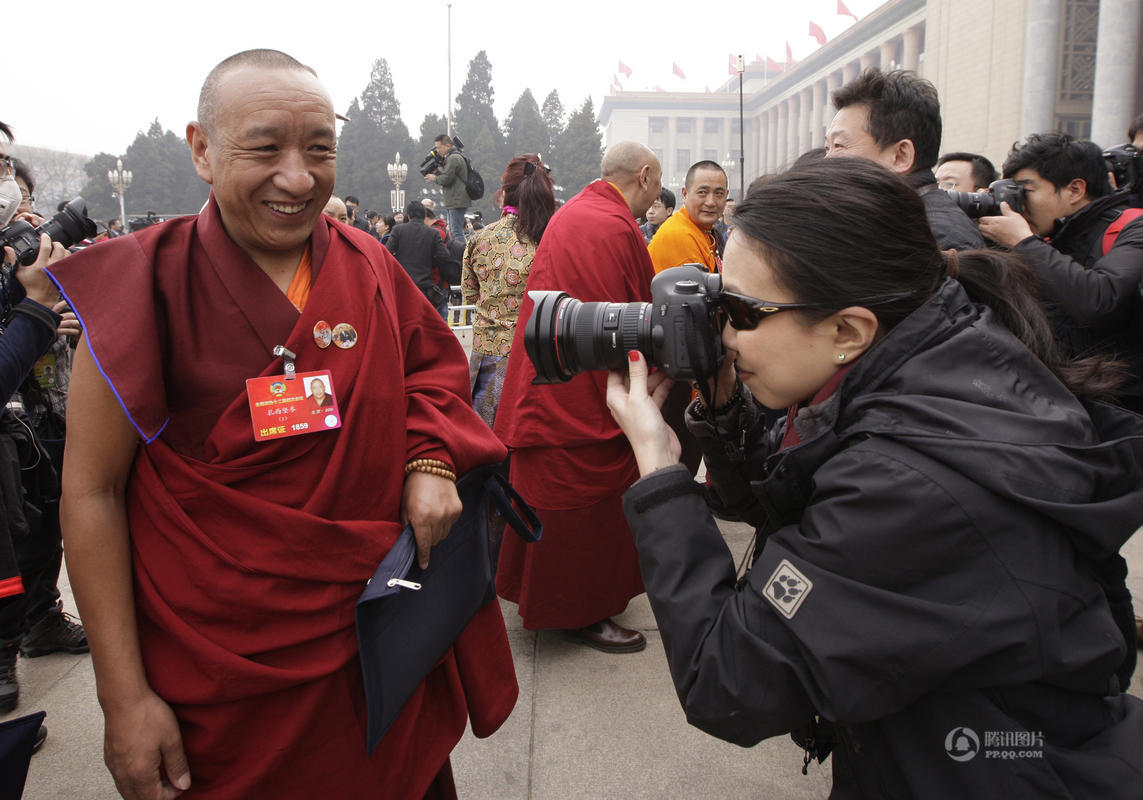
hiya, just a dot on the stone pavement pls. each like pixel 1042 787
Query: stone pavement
pixel 587 725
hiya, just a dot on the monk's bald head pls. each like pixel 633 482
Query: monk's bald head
pixel 208 98
pixel 624 159
pixel 636 171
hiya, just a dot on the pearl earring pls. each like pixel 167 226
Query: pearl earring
pixel 841 356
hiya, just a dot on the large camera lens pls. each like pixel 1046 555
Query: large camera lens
pixel 564 336
pixel 69 227
pixel 986 203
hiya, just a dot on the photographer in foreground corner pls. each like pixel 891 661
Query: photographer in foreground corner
pixel 1090 271
pixel 936 569
pixel 32 621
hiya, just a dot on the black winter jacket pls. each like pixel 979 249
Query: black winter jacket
pixel 1093 299
pixel 419 248
pixel 936 572
pixel 951 227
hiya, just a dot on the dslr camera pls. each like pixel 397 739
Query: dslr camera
pixel 986 203
pixel 69 227
pixel 434 160
pixel 1125 162
pixel 679 330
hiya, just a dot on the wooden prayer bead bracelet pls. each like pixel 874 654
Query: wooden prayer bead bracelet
pixel 431 466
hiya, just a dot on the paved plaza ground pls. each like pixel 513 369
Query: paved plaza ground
pixel 587 725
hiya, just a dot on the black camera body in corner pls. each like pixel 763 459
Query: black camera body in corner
pixel 69 227
pixel 986 202
pixel 678 331
pixel 1125 162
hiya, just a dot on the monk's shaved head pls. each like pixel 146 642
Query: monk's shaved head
pixel 635 171
pixel 625 159
pixel 208 97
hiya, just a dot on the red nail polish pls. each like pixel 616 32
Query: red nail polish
pixel 633 355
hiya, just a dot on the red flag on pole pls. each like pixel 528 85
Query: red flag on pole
pixel 626 70
pixel 774 66
pixel 757 59
pixel 789 54
pixel 817 32
pixel 842 11
pixel 678 71
pixel 733 68
pixel 658 88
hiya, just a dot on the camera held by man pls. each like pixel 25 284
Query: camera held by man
pixel 434 162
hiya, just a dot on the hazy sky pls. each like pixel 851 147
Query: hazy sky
pixel 97 73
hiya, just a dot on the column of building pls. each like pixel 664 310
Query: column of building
pixel 1041 66
pixel 1115 100
pixel 911 44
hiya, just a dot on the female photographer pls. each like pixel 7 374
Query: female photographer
pixel 936 593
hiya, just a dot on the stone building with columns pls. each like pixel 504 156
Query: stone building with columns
pixel 1003 68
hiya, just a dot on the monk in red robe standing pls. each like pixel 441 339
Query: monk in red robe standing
pixel 220 529
pixel 570 461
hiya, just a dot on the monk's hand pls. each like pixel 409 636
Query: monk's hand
pixel 143 749
pixel 69 322
pixel 431 505
pixel 636 402
pixel 1008 230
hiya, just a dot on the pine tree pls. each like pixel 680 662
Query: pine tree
pixel 524 129
pixel 475 123
pixel 370 140
pixel 97 192
pixel 580 148
pixel 553 114
pixel 163 178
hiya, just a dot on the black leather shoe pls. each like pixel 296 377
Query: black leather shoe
pixel 608 637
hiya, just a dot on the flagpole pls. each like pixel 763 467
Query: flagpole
pixel 741 133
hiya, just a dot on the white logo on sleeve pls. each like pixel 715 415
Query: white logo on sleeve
pixel 787 588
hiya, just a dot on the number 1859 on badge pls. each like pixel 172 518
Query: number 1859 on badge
pixel 281 407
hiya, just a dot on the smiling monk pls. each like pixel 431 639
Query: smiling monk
pixel 216 577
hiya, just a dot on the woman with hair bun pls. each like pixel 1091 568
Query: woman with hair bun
pixel 935 592
pixel 496 264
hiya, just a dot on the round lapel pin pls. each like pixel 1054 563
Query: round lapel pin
pixel 344 335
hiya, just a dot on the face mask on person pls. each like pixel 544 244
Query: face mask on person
pixel 10 199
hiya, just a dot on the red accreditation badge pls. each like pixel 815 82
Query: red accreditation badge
pixel 281 407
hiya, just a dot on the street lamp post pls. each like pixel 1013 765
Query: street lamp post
pixel 398 172
pixel 120 179
pixel 741 66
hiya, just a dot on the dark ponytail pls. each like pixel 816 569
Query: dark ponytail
pixel 527 186
pixel 843 228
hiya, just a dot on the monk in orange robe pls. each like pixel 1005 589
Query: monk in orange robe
pixel 687 236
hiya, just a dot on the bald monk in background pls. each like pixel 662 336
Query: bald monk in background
pixel 570 460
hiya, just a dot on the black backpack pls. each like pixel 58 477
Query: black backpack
pixel 474 183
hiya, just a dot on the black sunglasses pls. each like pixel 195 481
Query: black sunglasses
pixel 745 312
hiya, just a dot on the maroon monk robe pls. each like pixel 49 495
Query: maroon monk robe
pixel 249 557
pixel 569 458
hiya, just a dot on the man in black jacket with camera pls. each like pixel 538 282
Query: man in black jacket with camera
pixel 1090 272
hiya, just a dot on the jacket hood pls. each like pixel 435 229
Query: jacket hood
pixel 953 384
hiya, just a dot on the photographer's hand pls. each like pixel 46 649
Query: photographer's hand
pixel 431 177
pixel 1007 230
pixel 36 283
pixel 636 401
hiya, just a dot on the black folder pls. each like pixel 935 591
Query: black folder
pixel 408 618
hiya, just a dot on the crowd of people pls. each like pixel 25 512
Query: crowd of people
pixel 931 421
